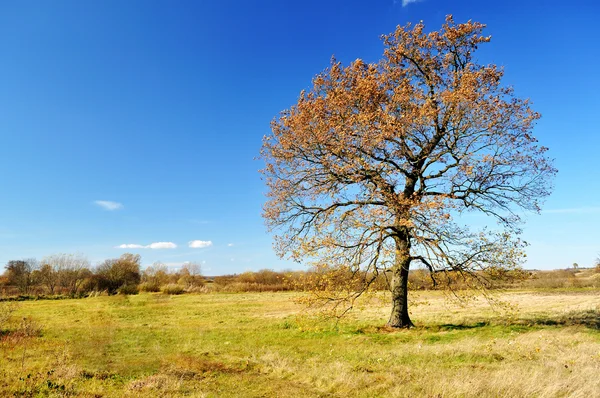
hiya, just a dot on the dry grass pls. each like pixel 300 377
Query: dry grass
pixel 544 344
pixel 172 288
pixel 568 278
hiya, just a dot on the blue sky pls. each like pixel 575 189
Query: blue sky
pixel 159 108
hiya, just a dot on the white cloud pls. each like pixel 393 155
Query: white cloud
pixel 108 205
pixel 230 245
pixel 130 246
pixel 155 245
pixel 407 2
pixel 162 245
pixel 200 244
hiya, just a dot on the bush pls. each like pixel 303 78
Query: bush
pixel 128 289
pixel 239 287
pixel 198 289
pixel 552 279
pixel 6 310
pixel 149 287
pixel 172 288
pixel 112 275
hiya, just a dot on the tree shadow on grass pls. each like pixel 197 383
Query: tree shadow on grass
pixel 586 318
pixel 451 326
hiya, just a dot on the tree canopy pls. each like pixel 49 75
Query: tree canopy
pixel 372 169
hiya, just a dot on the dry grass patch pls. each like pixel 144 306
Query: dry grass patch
pixel 261 345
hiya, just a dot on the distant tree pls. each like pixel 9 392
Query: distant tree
pixel 190 275
pixel 372 168
pixel 20 273
pixel 263 277
pixel 157 274
pixel 48 277
pixel 122 272
pixel 4 280
pixel 192 268
pixel 70 271
pixel 575 266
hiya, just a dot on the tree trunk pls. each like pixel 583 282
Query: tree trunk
pixel 399 317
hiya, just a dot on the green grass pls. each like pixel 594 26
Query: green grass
pixel 261 344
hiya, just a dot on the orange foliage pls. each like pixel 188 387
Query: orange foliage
pixel 372 168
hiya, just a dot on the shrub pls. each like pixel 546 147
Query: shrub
pixel 149 287
pixel 172 288
pixel 190 276
pixel 6 310
pixel 238 287
pixel 157 274
pixel 198 289
pixel 553 279
pixel 128 289
pixel 113 274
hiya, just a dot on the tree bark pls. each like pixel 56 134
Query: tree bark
pixel 399 317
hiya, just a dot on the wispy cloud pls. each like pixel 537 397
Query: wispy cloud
pixel 130 246
pixel 200 244
pixel 155 245
pixel 407 2
pixel 177 265
pixel 574 210
pixel 108 205
pixel 162 245
pixel 230 245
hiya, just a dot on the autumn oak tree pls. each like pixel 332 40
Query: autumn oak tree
pixel 373 168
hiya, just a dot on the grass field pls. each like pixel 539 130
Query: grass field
pixel 257 345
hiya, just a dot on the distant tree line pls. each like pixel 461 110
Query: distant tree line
pixel 72 275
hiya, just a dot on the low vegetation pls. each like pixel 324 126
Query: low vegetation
pixel 545 343
pixel 136 332
pixel 68 275
pixel 72 276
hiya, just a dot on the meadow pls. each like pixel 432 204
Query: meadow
pixel 543 342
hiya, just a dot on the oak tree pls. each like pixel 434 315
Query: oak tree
pixel 373 168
